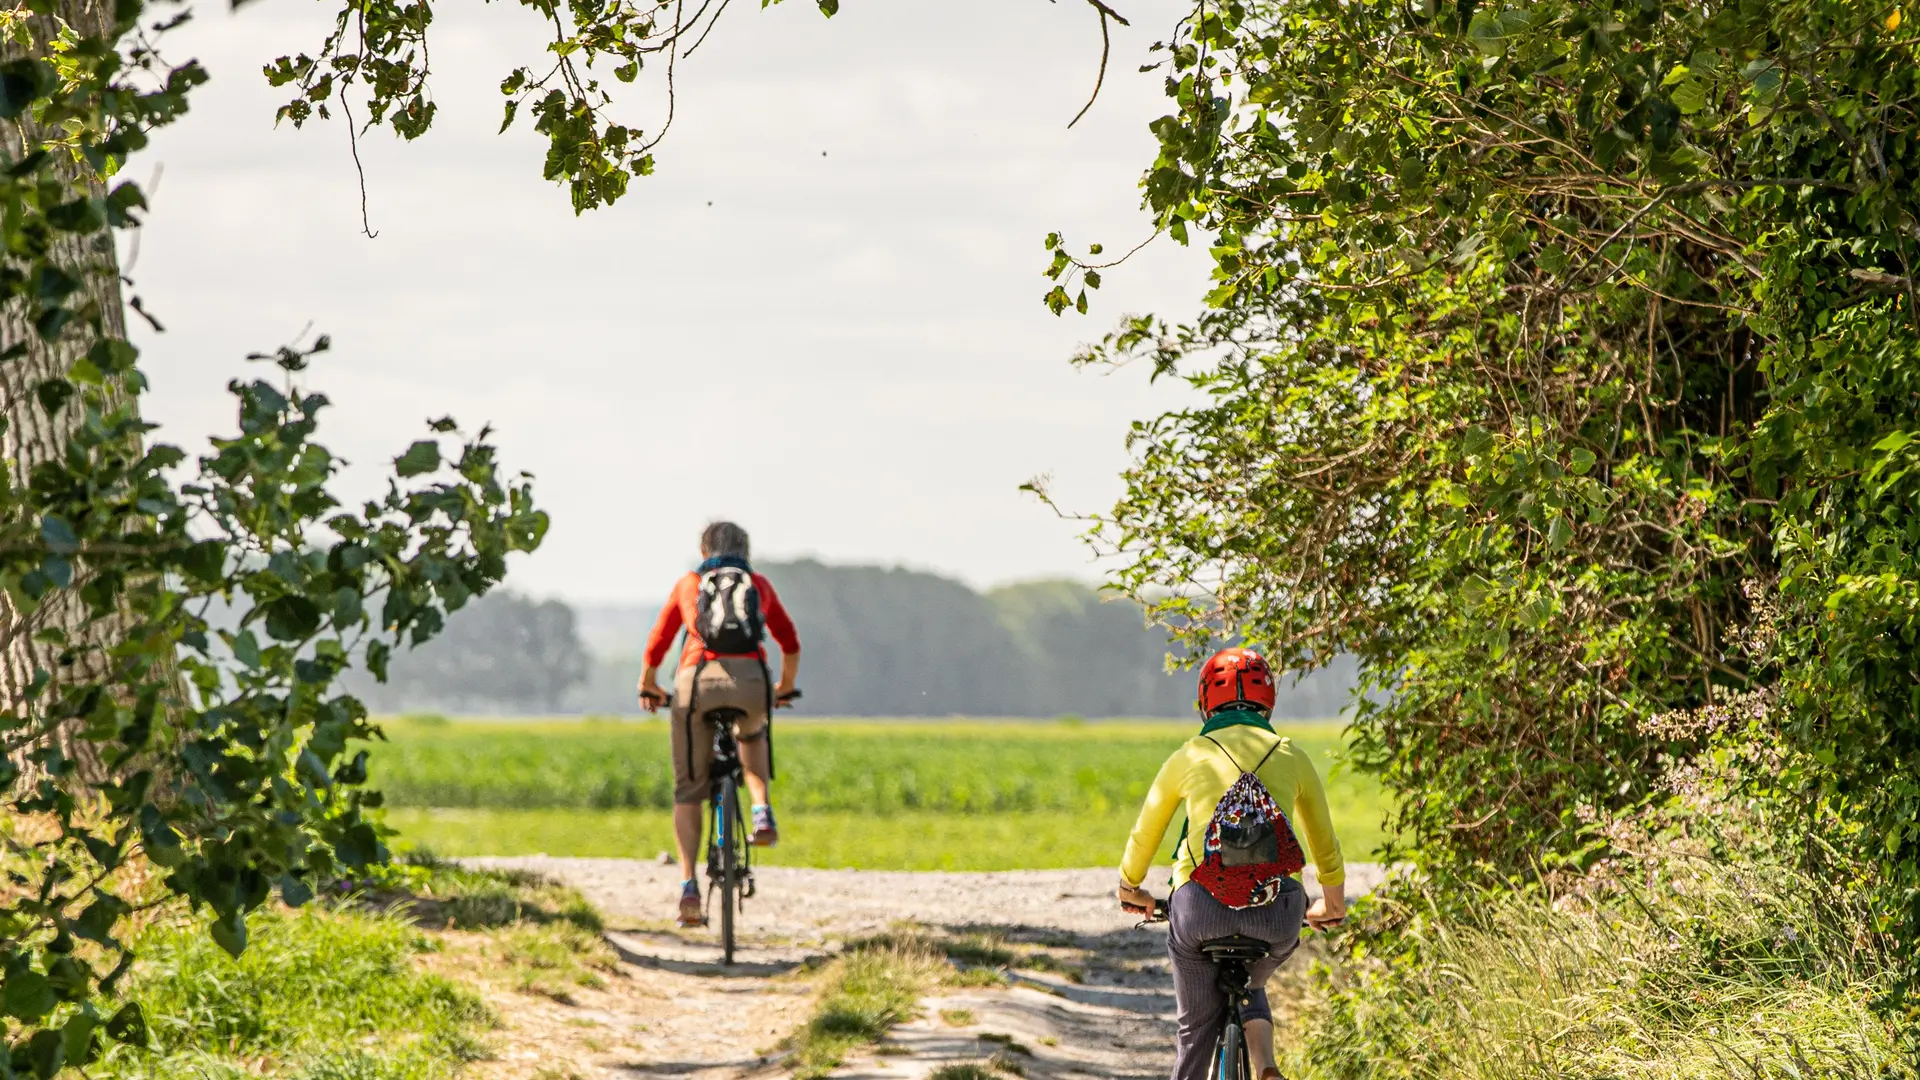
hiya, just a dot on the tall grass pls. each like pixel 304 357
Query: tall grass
pixel 1701 969
pixel 318 995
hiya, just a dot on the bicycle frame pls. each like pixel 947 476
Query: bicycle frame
pixel 729 856
pixel 1230 958
pixel 1230 1059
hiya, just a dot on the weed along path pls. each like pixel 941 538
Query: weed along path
pixel 866 974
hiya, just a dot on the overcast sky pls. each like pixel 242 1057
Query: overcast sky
pixel 838 262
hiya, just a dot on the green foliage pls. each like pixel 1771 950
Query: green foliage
pixel 1686 966
pixel 377 52
pixel 311 983
pixel 146 736
pixel 1543 340
pixel 222 756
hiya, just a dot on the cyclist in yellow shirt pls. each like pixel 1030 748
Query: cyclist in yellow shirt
pixel 1245 790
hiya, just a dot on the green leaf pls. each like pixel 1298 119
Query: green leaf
pixel 159 838
pixel 230 933
pixel 22 82
pixel 291 618
pixel 129 1025
pixel 1690 97
pixel 421 457
pixel 246 649
pixel 77 1038
pixel 347 608
pixel 28 996
pixel 1558 533
pixel 58 535
pixel 293 891
pixel 829 8
pixel 205 561
pixel 1486 33
pixel 47 1053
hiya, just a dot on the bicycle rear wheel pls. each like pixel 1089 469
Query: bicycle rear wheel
pixel 726 833
pixel 1230 1059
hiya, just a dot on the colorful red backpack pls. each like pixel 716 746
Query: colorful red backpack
pixel 1249 849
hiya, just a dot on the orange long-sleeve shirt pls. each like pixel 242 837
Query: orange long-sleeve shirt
pixel 683 609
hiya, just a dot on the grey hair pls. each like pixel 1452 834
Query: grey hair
pixel 724 538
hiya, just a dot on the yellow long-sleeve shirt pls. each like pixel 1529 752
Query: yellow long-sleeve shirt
pixel 1198 774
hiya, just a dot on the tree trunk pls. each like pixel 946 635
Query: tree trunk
pixel 34 436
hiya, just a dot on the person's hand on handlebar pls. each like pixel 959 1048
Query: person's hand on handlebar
pixel 652 697
pixel 1329 910
pixel 784 696
pixel 1134 900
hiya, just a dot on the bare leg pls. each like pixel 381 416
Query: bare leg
pixel 686 833
pixel 1260 1046
pixel 754 756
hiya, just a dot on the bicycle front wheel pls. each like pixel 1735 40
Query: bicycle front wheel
pixel 726 833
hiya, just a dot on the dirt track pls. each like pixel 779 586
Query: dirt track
pixel 677 1012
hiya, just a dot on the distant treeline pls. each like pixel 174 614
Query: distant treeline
pixel 875 642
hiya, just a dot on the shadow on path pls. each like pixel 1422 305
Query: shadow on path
pixel 663 952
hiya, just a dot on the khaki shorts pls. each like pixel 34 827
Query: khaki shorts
pixel 727 682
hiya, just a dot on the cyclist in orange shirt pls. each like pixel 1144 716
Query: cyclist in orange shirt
pixel 724 607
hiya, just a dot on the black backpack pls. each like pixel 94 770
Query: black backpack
pixel 729 610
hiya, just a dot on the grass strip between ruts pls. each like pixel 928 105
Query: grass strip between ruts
pixel 863 993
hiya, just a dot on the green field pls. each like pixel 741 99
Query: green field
pixel 903 794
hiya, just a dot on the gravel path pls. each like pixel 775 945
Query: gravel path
pixel 1110 1018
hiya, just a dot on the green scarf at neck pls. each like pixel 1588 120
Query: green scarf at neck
pixel 1235 718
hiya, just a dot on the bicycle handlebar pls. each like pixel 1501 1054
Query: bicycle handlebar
pixel 665 700
pixel 1157 915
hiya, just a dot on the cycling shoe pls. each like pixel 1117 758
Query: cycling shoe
pixel 765 832
pixel 692 911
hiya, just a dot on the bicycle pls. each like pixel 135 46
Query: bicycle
pixel 729 856
pixel 1231 956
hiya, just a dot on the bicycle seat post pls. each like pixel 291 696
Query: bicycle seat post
pixel 1231 958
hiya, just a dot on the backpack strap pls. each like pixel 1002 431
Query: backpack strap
pixel 1236 764
pixel 1186 836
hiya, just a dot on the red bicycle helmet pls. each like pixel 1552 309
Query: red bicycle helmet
pixel 1235 678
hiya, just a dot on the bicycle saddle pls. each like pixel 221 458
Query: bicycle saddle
pixel 1236 947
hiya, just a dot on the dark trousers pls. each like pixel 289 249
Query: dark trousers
pixel 1194 916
